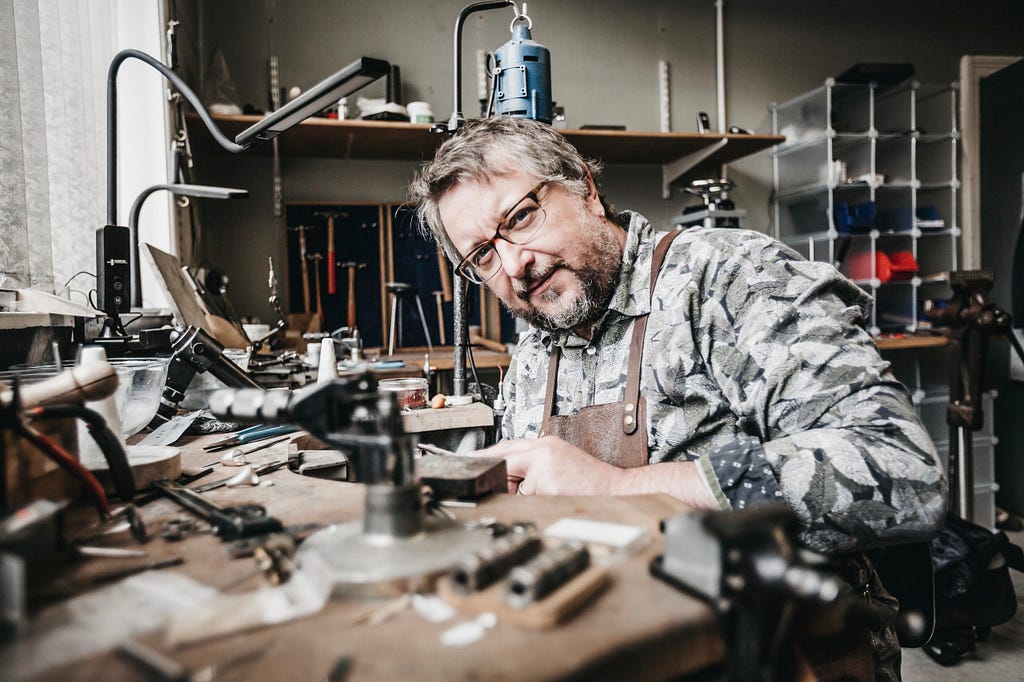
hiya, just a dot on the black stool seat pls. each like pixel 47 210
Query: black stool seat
pixel 400 288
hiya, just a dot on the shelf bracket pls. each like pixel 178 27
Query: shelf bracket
pixel 672 171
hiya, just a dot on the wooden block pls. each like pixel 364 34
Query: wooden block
pixel 148 463
pixel 463 478
pixel 546 613
pixel 452 417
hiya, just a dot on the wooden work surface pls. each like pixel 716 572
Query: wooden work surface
pixel 442 358
pixel 911 342
pixel 638 628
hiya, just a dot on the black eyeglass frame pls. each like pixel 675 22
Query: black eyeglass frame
pixel 465 266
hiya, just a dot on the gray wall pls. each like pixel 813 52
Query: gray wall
pixel 604 70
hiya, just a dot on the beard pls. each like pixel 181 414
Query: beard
pixel 596 276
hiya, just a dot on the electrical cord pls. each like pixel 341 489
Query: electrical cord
pixel 80 272
pixel 472 365
pixel 66 461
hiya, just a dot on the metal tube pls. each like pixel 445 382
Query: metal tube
pixel 488 565
pixel 546 573
pixel 456 118
pixel 460 336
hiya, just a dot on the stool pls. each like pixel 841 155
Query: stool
pixel 402 290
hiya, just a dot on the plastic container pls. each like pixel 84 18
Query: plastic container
pixel 420 112
pixel 412 393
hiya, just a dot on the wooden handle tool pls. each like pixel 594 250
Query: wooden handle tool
pixel 332 264
pixel 316 258
pixel 301 229
pixel 446 277
pixel 352 266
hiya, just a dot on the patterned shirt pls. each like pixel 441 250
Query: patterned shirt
pixel 757 367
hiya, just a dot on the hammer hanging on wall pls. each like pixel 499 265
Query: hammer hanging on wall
pixel 352 266
pixel 332 282
pixel 301 229
pixel 316 258
pixel 445 275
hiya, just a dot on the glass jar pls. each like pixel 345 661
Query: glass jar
pixel 412 393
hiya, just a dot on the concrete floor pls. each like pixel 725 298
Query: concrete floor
pixel 1000 658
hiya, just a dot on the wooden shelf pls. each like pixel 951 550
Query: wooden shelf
pixel 679 154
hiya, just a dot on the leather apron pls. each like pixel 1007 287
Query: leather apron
pixel 591 428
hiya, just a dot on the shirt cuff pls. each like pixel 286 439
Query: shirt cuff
pixel 707 474
pixel 740 473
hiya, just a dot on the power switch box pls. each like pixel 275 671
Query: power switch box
pixel 113 269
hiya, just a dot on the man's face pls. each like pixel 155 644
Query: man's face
pixel 564 276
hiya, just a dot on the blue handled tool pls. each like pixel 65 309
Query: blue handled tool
pixel 250 435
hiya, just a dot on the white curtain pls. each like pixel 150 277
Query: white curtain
pixel 53 59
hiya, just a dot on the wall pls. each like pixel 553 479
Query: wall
pixel 604 70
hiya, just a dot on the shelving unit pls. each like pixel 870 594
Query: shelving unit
pixel 681 155
pixel 888 156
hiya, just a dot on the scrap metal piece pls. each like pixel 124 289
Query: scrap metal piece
pixel 493 562
pixel 546 573
pixel 245 477
pixel 275 557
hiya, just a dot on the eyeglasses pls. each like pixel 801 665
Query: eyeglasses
pixel 518 226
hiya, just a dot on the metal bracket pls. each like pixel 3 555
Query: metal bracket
pixel 672 171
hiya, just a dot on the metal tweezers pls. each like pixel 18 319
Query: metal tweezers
pixel 250 435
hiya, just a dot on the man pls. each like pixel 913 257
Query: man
pixel 753 380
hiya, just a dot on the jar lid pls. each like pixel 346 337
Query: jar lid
pixel 402 384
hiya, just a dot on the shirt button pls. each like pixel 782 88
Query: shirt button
pixel 591 350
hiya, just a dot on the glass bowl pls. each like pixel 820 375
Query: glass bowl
pixel 141 383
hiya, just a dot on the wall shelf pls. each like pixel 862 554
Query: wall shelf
pixel 681 155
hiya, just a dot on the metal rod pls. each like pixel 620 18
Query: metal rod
pixel 460 336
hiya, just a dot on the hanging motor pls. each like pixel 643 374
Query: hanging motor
pixel 521 79
pixel 522 74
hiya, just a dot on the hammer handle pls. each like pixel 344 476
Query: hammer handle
pixel 332 282
pixel 352 298
pixel 305 270
pixel 446 278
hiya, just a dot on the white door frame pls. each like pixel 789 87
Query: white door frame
pixel 972 69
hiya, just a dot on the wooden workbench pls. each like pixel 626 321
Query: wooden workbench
pixel 638 628
pixel 442 358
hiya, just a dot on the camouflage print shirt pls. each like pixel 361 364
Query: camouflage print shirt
pixel 757 367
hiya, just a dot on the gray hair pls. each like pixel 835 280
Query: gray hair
pixel 494 147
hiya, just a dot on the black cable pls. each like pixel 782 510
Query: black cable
pixel 472 365
pixel 80 272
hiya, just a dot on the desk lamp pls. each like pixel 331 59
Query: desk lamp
pixel 183 190
pixel 113 242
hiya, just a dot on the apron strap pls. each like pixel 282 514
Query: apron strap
pixel 631 397
pixel 549 389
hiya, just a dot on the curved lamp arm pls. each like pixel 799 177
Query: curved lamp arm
pixel 456 121
pixel 201 191
pixel 182 87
